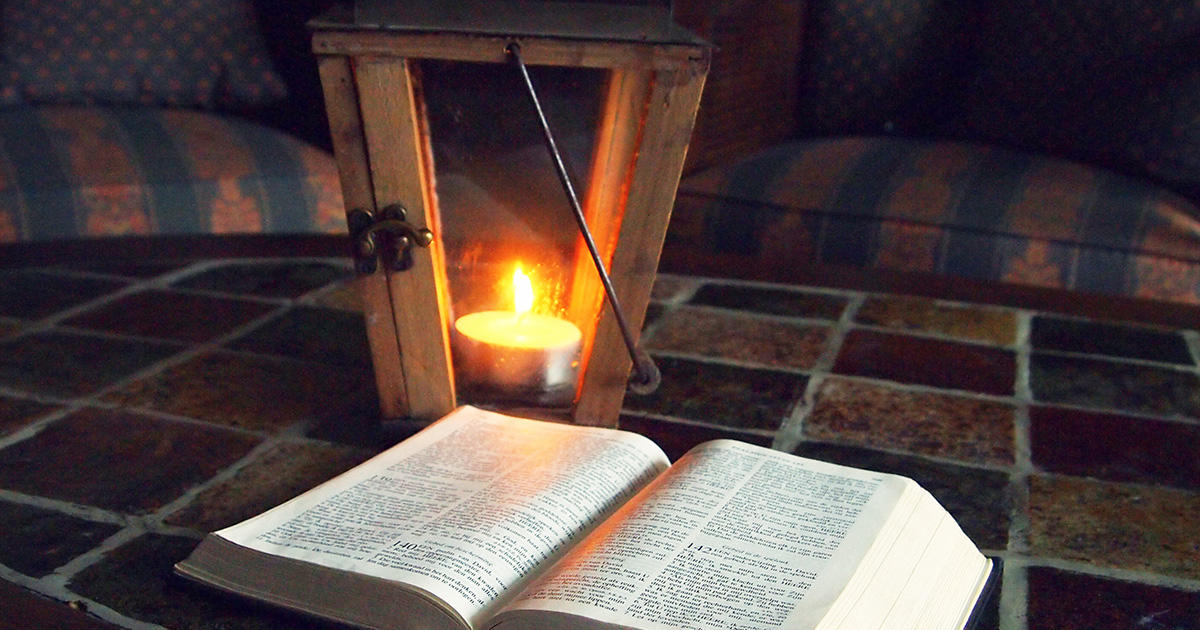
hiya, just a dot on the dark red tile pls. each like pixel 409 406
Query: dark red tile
pixel 70 364
pixel 1114 386
pixel 245 391
pixel 720 394
pixel 1116 340
pixel 119 461
pixel 742 338
pixel 279 279
pixel 40 612
pixel 137 580
pixel 278 475
pixel 940 425
pixel 771 301
pixel 33 294
pixel 1063 600
pixel 675 438
pixel 171 315
pixel 312 334
pixel 923 361
pixel 37 540
pixel 18 412
pixel 980 500
pixel 1115 447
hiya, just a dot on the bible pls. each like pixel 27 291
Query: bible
pixel 485 521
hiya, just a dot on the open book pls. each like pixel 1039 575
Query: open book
pixel 487 521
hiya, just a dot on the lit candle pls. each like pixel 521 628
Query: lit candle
pixel 518 353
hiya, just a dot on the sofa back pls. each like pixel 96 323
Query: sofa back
pixel 1114 83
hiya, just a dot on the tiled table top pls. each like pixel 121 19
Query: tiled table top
pixel 142 405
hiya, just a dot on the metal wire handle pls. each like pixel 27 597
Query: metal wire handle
pixel 646 376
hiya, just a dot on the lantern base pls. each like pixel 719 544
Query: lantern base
pixel 550 398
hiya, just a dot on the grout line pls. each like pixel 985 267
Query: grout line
pixel 1014 594
pixel 56 591
pixel 791 432
pixel 77 510
pixel 1192 338
pixel 1115 573
pixel 65 573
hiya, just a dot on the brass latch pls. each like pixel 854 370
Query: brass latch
pixel 388 236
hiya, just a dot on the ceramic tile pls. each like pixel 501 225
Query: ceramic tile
pixel 18 412
pixel 670 288
pixel 37 611
pixel 978 499
pixel 1115 386
pixel 1115 340
pixel 654 312
pixel 675 438
pixel 345 296
pixel 129 268
pixel 720 394
pixel 37 540
pixel 1126 526
pixel 9 327
pixel 969 322
pixel 932 362
pixel 748 339
pixel 1115 447
pixel 137 580
pixel 281 279
pixel 880 416
pixel 1064 600
pixel 312 334
pixel 278 475
pixel 251 392
pixel 119 461
pixel 771 301
pixel 32 294
pixel 69 364
pixel 171 315
pixel 356 421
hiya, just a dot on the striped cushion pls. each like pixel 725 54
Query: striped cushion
pixel 948 208
pixel 70 172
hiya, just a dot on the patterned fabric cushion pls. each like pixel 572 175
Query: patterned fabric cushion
pixel 876 65
pixel 948 208
pixel 178 52
pixel 70 171
pixel 1113 82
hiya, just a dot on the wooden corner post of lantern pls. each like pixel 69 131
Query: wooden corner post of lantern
pixel 423 267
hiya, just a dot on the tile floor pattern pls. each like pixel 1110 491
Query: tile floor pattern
pixel 141 405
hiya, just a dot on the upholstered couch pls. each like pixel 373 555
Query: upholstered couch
pixel 161 118
pixel 1053 145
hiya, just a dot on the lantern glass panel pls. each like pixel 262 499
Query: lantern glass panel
pixel 511 243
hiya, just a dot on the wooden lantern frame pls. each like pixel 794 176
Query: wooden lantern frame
pixel 382 146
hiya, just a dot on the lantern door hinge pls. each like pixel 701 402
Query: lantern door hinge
pixel 388 236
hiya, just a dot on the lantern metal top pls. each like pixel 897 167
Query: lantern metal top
pixel 641 23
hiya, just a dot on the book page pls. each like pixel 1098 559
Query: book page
pixel 733 536
pixel 465 510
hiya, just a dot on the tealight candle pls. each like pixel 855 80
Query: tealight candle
pixel 518 353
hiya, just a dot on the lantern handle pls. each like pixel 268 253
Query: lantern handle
pixel 646 375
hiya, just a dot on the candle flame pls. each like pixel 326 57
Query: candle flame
pixel 522 292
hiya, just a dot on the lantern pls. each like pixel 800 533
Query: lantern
pixel 508 169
